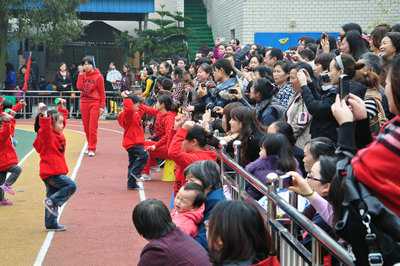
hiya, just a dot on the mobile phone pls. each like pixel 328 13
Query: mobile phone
pixel 344 86
pixel 324 35
pixel 302 118
pixel 285 181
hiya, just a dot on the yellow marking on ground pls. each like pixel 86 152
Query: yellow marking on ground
pixel 22 230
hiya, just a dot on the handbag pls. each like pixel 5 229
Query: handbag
pixel 372 229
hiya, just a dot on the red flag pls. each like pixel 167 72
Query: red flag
pixel 27 73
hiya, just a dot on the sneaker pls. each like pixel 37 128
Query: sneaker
pixel 57 229
pixel 50 207
pixel 145 177
pixel 137 187
pixel 7 189
pixel 5 202
pixel 91 153
pixel 155 169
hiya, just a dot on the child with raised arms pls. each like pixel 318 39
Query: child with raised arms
pixel 50 143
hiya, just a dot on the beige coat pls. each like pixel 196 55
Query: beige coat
pixel 301 132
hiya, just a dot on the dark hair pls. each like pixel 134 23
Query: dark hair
pixel 278 144
pixel 265 72
pixel 166 83
pixel 306 53
pixel 206 68
pixel 227 113
pixel 198 133
pixel 9 67
pixel 394 73
pixel 148 69
pixel 226 66
pixel 152 219
pixel 170 58
pixel 242 231
pixel 250 125
pixel 395 39
pixel 377 35
pixel 88 59
pixel 203 60
pixel 135 99
pixel 265 88
pixel 66 70
pixel 6 104
pixel 321 146
pixel 168 103
pixel 303 65
pixel 275 52
pixel 352 26
pixel 54 114
pixel 324 60
pixel 308 40
pixel 128 67
pixel 349 65
pixel 313 47
pixel 395 28
pixel 328 168
pixel 200 196
pixel 181 75
pixel 286 129
pixel 236 40
pixel 371 80
pixel 208 172
pixel 356 43
pixel 373 61
pixel 185 61
pixel 227 55
pixel 258 57
pixel 285 65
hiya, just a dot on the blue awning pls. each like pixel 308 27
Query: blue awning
pixel 117 6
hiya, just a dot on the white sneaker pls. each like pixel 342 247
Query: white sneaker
pixel 91 153
pixel 145 177
pixel 155 169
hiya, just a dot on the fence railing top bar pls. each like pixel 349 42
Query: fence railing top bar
pixel 330 244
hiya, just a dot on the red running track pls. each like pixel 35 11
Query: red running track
pixel 98 217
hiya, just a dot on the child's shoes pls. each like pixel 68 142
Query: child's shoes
pixel 7 189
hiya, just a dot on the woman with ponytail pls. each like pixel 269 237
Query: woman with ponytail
pixel 164 112
pixel 225 77
pixel 276 156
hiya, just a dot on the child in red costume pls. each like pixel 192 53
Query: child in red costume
pixel 187 143
pixel 93 99
pixel 8 160
pixel 50 144
pixel 164 113
pixel 189 208
pixel 131 120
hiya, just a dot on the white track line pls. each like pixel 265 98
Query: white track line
pixel 49 238
pixel 50 235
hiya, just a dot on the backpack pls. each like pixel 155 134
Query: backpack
pixel 372 229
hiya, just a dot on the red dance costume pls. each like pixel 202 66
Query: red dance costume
pixel 8 156
pixel 93 98
pixel 182 158
pixel 131 121
pixel 162 126
pixel 51 148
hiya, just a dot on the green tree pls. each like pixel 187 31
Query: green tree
pixel 53 22
pixel 168 39
pixel 389 15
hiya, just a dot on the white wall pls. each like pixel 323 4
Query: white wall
pixel 251 16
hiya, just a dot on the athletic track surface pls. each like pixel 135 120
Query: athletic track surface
pixel 98 216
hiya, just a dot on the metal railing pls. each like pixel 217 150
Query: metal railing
pixel 33 98
pixel 290 250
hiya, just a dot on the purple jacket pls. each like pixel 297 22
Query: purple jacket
pixel 175 248
pixel 260 169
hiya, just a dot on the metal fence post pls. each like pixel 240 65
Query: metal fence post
pixel 222 150
pixel 293 202
pixel 237 144
pixel 316 252
pixel 272 179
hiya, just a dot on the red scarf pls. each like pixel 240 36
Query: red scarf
pixel 378 165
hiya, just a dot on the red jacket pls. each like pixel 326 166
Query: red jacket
pixel 131 121
pixel 51 148
pixel 162 125
pixel 189 221
pixel 183 159
pixel 13 121
pixel 92 86
pixel 8 156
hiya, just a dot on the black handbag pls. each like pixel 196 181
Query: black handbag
pixel 372 229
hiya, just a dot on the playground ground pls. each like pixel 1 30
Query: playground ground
pixel 98 216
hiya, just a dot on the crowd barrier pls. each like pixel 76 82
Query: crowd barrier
pixel 290 251
pixel 33 98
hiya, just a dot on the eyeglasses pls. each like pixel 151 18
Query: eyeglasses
pixel 313 178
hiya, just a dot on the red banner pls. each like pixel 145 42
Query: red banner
pixel 27 73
